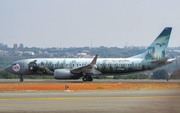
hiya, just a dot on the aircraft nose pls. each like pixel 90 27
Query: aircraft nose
pixel 8 69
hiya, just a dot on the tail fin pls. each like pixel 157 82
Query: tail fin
pixel 157 50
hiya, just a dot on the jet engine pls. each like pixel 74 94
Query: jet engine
pixel 64 74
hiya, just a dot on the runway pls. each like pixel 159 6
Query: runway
pixel 118 101
pixel 94 81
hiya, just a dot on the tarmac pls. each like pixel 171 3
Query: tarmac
pixel 92 101
pixel 94 81
pixel 118 101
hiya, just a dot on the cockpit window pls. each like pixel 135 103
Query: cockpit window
pixel 14 64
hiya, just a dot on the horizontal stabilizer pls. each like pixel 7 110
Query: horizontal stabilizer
pixel 160 61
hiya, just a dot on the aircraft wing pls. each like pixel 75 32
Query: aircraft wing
pixel 90 68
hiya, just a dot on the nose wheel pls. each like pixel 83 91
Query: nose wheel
pixel 21 79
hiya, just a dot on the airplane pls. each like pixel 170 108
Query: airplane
pixel 75 68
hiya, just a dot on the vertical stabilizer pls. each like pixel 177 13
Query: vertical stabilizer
pixel 157 50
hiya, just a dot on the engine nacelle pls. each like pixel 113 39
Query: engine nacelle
pixel 62 74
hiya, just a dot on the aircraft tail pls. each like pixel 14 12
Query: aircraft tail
pixel 157 50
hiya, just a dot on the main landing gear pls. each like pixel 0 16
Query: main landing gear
pixel 21 78
pixel 87 78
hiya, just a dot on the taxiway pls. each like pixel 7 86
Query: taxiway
pixel 118 101
pixel 94 81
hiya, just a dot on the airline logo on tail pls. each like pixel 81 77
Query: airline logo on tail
pixel 157 50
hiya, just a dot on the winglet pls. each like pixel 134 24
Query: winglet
pixel 94 60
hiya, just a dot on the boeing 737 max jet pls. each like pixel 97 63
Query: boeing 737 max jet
pixel 74 68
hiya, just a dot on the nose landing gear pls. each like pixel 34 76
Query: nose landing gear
pixel 21 78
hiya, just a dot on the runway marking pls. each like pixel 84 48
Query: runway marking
pixel 88 98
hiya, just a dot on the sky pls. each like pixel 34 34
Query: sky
pixel 80 23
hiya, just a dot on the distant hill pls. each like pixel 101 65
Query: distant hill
pixel 175 74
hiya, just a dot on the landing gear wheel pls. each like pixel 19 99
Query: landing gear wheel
pixel 84 79
pixel 90 78
pixel 87 78
pixel 21 79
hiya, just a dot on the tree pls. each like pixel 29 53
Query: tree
pixel 160 74
pixel 132 76
pixel 175 74
pixel 6 75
